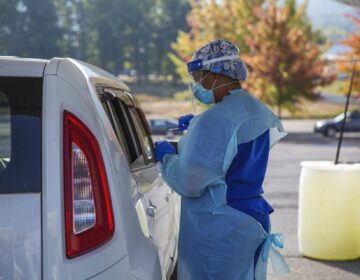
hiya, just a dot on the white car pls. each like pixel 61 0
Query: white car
pixel 80 193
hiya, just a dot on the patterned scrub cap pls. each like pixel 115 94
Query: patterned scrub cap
pixel 220 57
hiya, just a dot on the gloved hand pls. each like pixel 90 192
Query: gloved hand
pixel 162 148
pixel 184 122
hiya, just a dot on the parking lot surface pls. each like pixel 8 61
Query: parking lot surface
pixel 281 190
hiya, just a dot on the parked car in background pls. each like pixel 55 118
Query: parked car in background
pixel 80 194
pixel 332 126
pixel 164 126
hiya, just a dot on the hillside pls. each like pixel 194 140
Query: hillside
pixel 329 17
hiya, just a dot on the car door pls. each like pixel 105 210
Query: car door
pixel 349 123
pixel 355 121
pixel 153 199
pixel 159 199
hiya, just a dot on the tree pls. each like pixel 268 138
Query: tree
pixel 277 43
pixel 131 34
pixel 29 28
pixel 8 18
pixel 213 19
pixel 284 59
pixel 168 17
pixel 116 35
pixel 353 42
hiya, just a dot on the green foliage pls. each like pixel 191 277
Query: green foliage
pixel 28 28
pixel 116 35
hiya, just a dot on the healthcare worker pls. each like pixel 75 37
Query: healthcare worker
pixel 219 171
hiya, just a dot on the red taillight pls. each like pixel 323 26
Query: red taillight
pixel 89 220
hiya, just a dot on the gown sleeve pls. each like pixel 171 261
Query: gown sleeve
pixel 200 161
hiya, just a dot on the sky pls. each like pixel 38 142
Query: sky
pixel 329 16
pixel 329 13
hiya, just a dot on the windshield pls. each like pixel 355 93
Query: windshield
pixel 341 116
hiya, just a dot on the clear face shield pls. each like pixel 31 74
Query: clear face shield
pixel 196 73
pixel 194 76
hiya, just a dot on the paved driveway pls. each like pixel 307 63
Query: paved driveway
pixel 281 188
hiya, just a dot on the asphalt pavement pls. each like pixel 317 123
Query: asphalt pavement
pixel 281 190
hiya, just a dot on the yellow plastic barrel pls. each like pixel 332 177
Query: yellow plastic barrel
pixel 329 210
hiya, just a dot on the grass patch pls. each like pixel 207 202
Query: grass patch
pixel 338 87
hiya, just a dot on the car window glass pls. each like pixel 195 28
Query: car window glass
pixel 123 119
pixel 5 143
pixel 355 115
pixel 144 137
pixel 20 134
pixel 112 117
pixel 339 118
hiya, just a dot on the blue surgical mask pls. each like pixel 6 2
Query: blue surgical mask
pixel 204 95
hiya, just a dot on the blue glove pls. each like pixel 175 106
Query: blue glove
pixel 184 122
pixel 162 148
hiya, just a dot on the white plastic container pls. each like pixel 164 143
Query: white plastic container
pixel 329 210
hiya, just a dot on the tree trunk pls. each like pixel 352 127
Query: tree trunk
pixel 279 103
pixel 279 110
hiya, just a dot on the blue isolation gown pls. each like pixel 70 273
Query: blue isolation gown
pixel 217 241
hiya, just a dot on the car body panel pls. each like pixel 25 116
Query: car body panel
pixel 21 67
pixel 20 236
pixel 158 200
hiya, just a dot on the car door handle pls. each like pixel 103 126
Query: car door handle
pixel 151 210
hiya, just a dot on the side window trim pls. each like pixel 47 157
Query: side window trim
pixel 107 107
pixel 126 119
pixel 123 119
pixel 143 127
pixel 121 108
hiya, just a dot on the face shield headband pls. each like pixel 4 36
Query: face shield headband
pixel 198 65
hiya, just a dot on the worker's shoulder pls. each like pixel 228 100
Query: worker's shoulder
pixel 222 116
pixel 250 106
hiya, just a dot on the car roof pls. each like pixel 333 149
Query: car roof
pixel 80 74
pixel 12 66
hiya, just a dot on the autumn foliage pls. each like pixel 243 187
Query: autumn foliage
pixel 276 41
pixel 213 19
pixel 353 42
pixel 284 57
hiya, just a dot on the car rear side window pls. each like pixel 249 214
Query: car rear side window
pixel 130 125
pixel 5 143
pixel 20 134
pixel 143 135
